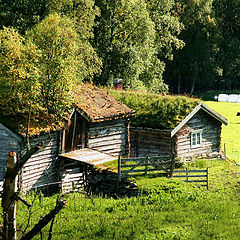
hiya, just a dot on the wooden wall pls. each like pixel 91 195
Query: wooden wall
pixel 73 175
pixel 211 136
pixel 109 137
pixel 145 141
pixel 8 142
pixel 40 170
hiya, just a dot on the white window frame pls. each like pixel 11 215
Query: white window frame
pixel 194 135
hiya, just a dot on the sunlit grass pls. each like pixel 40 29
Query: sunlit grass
pixel 164 209
pixel 230 133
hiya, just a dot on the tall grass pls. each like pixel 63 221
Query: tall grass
pixel 164 209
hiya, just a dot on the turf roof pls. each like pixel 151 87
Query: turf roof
pixel 99 105
pixel 155 110
pixel 96 103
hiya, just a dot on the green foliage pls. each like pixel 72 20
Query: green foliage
pixel 62 63
pixel 167 26
pixel 227 21
pixel 22 14
pixel 19 73
pixel 195 66
pixel 125 38
pixel 156 111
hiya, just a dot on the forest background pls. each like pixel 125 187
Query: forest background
pixel 47 47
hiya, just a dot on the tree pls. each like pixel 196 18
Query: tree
pixel 10 196
pixel 62 61
pixel 124 38
pixel 227 14
pixel 167 26
pixel 195 65
pixel 19 73
pixel 22 14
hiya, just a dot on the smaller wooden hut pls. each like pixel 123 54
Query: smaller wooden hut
pixel 97 131
pixel 197 135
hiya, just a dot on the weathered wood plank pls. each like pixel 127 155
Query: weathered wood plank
pixel 137 159
pixel 189 171
pixel 187 176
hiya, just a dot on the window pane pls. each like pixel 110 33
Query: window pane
pixel 198 138
pixel 194 139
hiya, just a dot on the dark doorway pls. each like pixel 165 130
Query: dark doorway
pixel 75 133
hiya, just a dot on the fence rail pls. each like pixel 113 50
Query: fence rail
pixel 189 174
pixel 144 165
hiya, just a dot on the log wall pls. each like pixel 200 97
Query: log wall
pixel 73 175
pixel 211 136
pixel 109 137
pixel 9 142
pixel 40 170
pixel 150 142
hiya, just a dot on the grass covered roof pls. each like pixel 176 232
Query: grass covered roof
pixel 95 102
pixel 98 104
pixel 39 123
pixel 155 110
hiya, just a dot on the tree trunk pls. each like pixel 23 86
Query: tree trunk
pixel 9 203
pixel 179 84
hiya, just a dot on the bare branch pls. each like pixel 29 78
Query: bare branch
pixel 45 220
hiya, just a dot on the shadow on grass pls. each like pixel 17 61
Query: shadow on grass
pixel 104 182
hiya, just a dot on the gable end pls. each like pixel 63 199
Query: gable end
pixel 205 108
pixel 10 133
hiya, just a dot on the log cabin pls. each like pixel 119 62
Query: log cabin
pixel 97 132
pixel 197 135
pixel 40 170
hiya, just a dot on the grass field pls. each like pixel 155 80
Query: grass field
pixel 168 209
pixel 230 133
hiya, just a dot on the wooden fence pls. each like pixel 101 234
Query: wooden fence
pixel 193 176
pixel 145 165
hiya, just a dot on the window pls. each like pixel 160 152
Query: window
pixel 196 138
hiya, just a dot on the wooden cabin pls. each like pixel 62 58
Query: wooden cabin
pixel 97 132
pixel 197 135
pixel 98 122
pixel 40 169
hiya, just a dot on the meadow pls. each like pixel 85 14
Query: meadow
pixel 164 208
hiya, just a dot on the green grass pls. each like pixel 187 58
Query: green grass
pixel 165 209
pixel 230 133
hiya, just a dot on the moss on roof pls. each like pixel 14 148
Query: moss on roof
pixel 39 123
pixel 155 110
pixel 98 104
pixel 95 102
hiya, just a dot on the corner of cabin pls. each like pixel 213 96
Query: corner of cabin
pixel 9 142
pixel 199 135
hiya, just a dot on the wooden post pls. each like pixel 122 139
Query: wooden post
pixel 119 171
pixel 172 165
pixel 225 150
pixel 128 137
pixel 207 178
pixel 146 166
pixel 9 203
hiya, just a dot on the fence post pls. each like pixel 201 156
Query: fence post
pixel 119 171
pixel 207 178
pixel 172 165
pixel 225 150
pixel 146 166
pixel 187 174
